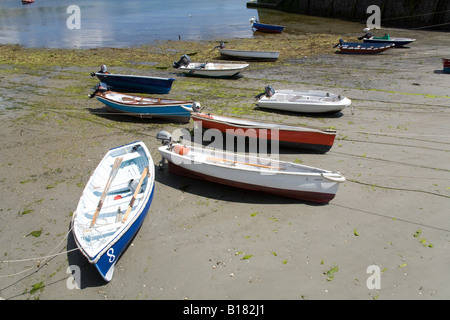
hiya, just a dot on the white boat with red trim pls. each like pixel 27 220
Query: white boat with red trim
pixel 282 178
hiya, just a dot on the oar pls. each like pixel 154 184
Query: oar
pixel 112 175
pixel 136 192
pixel 215 159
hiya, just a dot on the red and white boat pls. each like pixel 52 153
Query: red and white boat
pixel 298 137
pixel 282 178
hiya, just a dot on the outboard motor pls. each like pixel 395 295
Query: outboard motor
pixel 196 107
pixel 341 43
pixel 184 61
pixel 268 92
pixel 100 87
pixel 221 45
pixel 103 69
pixel 165 137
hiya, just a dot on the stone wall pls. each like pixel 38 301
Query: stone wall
pixel 394 13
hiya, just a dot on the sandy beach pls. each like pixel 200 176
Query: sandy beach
pixel 207 241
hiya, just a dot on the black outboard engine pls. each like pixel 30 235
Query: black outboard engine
pixel 268 92
pixel 100 87
pixel 341 43
pixel 103 69
pixel 221 45
pixel 184 61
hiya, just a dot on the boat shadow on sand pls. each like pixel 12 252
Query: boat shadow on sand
pixel 328 115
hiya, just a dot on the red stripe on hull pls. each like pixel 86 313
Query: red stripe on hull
pixel 315 197
pixel 363 51
pixel 307 140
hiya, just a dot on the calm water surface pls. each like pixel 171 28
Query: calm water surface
pixel 118 23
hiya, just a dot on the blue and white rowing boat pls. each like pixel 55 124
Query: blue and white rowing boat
pixel 113 205
pixel 132 83
pixel 145 107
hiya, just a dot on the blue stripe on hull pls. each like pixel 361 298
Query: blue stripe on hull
pixel 106 263
pixel 137 84
pixel 175 110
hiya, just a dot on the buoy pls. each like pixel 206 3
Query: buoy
pixel 181 150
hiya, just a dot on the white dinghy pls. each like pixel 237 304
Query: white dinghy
pixel 113 205
pixel 281 178
pixel 312 101
pixel 208 69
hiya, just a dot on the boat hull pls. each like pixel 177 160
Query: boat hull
pixel 173 112
pixel 303 138
pixel 253 173
pixel 364 48
pixel 104 239
pixel 106 263
pixel 308 102
pixel 139 84
pixel 249 55
pixel 398 42
pixel 215 71
pixel 268 28
pixel 315 197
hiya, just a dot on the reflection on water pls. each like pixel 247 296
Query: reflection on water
pixel 116 23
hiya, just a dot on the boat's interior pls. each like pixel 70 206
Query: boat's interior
pixel 124 98
pixel 116 202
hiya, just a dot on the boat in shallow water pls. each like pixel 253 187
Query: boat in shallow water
pixel 263 27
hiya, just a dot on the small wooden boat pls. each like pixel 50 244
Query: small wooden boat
pixel 446 64
pixel 27 1
pixel 297 137
pixel 362 47
pixel 132 83
pixel 281 178
pixel 113 205
pixel 247 54
pixel 262 27
pixel 312 101
pixel 398 42
pixel 144 107
pixel 208 69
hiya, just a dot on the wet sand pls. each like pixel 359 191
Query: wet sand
pixel 206 241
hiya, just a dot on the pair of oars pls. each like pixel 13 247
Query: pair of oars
pixel 112 175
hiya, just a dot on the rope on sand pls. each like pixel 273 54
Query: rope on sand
pixel 44 258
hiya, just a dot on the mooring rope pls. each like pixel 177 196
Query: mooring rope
pixel 43 258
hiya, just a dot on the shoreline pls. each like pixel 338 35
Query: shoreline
pixel 392 145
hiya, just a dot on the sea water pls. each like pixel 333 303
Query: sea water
pixel 119 23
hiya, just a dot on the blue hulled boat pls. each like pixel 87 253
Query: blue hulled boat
pixel 132 83
pixel 270 28
pixel 144 107
pixel 113 205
